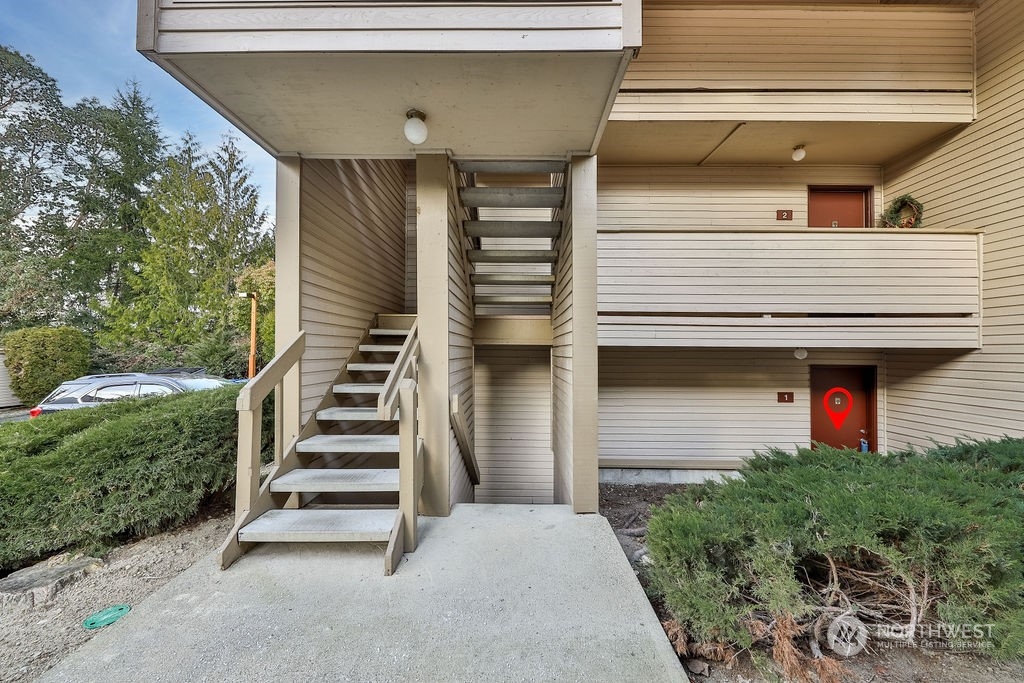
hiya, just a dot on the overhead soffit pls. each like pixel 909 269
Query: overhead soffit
pixel 354 104
pixel 763 142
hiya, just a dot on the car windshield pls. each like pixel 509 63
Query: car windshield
pixel 200 383
pixel 62 391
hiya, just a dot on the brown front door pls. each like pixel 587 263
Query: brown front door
pixel 838 207
pixel 843 405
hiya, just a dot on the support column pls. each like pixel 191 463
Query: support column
pixel 584 334
pixel 288 301
pixel 432 314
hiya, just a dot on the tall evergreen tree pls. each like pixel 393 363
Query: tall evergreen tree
pixel 205 227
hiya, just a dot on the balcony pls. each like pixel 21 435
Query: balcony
pixel 817 288
pixel 738 84
pixel 334 79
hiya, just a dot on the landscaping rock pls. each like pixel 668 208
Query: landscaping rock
pixel 36 585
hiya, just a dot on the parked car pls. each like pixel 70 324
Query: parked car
pixel 93 390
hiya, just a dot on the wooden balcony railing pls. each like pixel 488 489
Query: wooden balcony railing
pixel 813 287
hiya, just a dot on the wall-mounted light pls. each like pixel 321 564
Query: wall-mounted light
pixel 799 153
pixel 415 126
pixel 800 353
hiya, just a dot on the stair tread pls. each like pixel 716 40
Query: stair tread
pixel 347 414
pixel 320 526
pixel 380 348
pixel 514 167
pixel 388 332
pixel 349 443
pixel 512 279
pixel 517 197
pixel 358 388
pixel 547 229
pixel 513 255
pixel 512 299
pixel 370 367
pixel 336 481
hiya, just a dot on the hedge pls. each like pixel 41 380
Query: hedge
pixel 797 539
pixel 93 477
pixel 40 358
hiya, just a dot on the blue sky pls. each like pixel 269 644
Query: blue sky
pixel 88 46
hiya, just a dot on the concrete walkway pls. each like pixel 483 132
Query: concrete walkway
pixel 494 593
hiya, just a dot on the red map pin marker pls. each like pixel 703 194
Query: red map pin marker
pixel 836 407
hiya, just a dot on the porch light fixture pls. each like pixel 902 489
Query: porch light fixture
pixel 799 153
pixel 415 126
pixel 800 353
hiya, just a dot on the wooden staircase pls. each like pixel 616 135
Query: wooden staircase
pixel 355 471
pixel 514 231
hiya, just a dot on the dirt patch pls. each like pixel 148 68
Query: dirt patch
pixel 628 507
pixel 33 640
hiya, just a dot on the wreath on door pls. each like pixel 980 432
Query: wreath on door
pixel 903 212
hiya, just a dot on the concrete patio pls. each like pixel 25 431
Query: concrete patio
pixel 494 593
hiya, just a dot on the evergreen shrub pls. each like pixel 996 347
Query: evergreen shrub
pixel 774 555
pixel 93 477
pixel 40 358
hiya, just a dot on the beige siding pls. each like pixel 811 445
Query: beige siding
pixel 410 238
pixel 561 359
pixel 728 197
pixel 705 408
pixel 7 397
pixel 709 60
pixel 238 25
pixel 977 179
pixel 352 250
pixel 513 427
pixel 460 336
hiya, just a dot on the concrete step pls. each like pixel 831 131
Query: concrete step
pixel 336 481
pixel 512 228
pixel 347 414
pixel 379 348
pixel 370 367
pixel 512 279
pixel 319 526
pixel 389 332
pixel 349 443
pixel 513 197
pixel 513 255
pixel 358 388
pixel 511 299
pixel 512 167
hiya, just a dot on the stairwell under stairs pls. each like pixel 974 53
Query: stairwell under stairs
pixel 514 227
pixel 341 481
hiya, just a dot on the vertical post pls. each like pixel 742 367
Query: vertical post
pixel 288 280
pixel 432 317
pixel 407 442
pixel 247 481
pixel 584 334
pixel 252 337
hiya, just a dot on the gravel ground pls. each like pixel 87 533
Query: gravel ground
pixel 33 640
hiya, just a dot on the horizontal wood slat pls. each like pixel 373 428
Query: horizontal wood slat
pixel 513 425
pixel 789 273
pixel 279 25
pixel 804 49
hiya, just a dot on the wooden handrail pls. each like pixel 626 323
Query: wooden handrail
pixel 250 423
pixel 405 368
pixel 461 429
pixel 263 383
